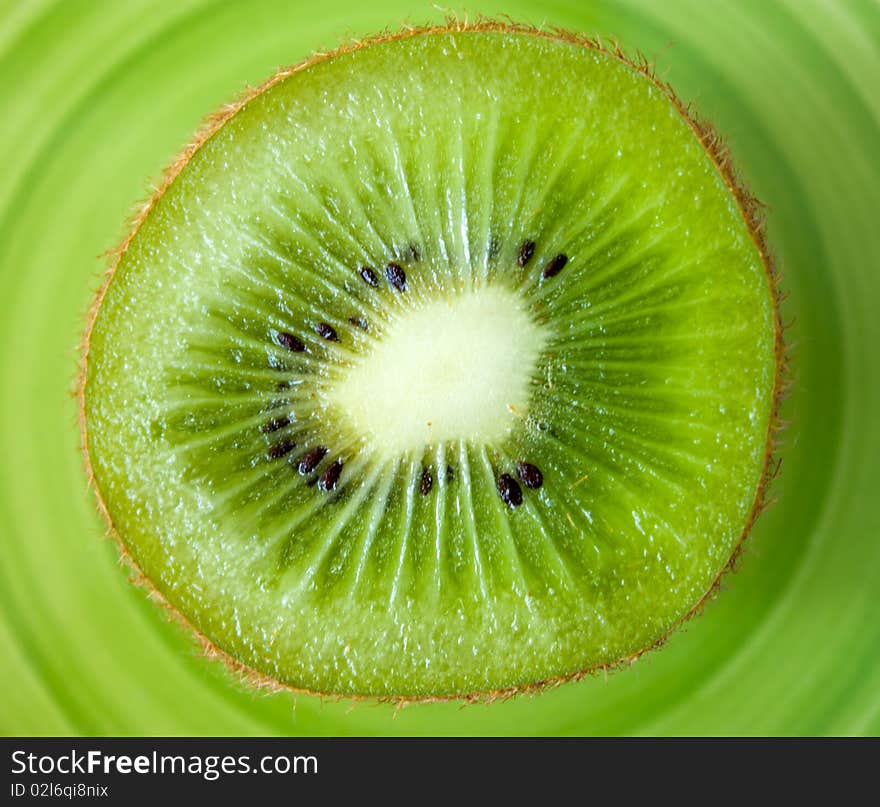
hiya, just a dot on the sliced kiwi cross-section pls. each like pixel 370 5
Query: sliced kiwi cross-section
pixel 444 364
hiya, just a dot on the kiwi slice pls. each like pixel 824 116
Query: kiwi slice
pixel 440 365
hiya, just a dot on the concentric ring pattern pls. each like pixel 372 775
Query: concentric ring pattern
pixel 98 96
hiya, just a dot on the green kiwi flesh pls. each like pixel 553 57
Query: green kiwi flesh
pixel 444 364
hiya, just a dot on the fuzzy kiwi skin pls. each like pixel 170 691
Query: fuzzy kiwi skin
pixel 751 214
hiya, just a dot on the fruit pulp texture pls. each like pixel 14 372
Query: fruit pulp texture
pixel 379 290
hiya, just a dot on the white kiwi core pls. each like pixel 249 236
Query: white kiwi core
pixel 458 367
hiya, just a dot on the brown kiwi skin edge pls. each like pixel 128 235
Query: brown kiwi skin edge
pixel 752 212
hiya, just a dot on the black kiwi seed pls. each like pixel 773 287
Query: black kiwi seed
pixel 311 459
pixel 277 451
pixel 396 276
pixel 369 276
pixel 327 332
pixel 525 253
pixel 414 253
pixel 509 490
pixel 555 266
pixel 291 342
pixel 359 322
pixel 494 247
pixel 450 474
pixel 330 477
pixel 275 424
pixel 427 482
pixel 530 475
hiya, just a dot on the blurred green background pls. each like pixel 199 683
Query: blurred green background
pixel 96 98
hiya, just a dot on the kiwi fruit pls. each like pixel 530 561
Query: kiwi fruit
pixel 442 365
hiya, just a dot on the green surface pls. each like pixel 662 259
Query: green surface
pixel 639 379
pixel 791 647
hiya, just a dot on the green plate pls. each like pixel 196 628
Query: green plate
pixel 99 96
